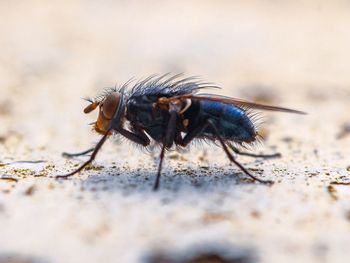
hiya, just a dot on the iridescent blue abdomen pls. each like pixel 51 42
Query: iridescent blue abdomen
pixel 232 122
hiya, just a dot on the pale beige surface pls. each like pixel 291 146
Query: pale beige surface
pixel 292 54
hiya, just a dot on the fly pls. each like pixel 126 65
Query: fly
pixel 171 110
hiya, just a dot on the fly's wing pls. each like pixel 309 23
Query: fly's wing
pixel 237 102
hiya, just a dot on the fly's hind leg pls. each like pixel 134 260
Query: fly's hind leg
pixel 71 155
pixel 265 156
pixel 232 159
pixel 201 127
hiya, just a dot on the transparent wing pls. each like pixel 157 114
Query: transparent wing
pixel 237 102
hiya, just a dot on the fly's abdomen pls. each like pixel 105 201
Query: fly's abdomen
pixel 232 122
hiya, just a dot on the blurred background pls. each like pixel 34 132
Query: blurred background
pixel 288 53
pixel 55 52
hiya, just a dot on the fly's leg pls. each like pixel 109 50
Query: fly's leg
pixel 232 159
pixel 265 156
pixel 168 141
pixel 192 134
pixel 71 155
pixel 140 138
pixel 92 157
pixel 171 129
pixel 161 158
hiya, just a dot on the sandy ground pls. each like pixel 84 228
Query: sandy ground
pixel 288 53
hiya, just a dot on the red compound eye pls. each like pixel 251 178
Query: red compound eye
pixel 110 105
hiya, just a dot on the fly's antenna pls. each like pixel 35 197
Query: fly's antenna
pixel 92 106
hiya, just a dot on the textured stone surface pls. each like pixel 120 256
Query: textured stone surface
pixel 287 54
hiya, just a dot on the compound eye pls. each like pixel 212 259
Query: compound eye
pixel 110 105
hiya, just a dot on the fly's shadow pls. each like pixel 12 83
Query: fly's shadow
pixel 183 178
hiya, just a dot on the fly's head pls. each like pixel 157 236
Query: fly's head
pixel 109 107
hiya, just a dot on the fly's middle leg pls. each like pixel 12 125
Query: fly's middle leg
pixel 167 143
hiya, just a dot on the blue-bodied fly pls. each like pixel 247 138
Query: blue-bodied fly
pixel 171 110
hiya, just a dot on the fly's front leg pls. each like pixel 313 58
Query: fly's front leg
pixel 138 137
pixel 92 157
pixel 265 156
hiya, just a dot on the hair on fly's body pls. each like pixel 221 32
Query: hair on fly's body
pixel 169 110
